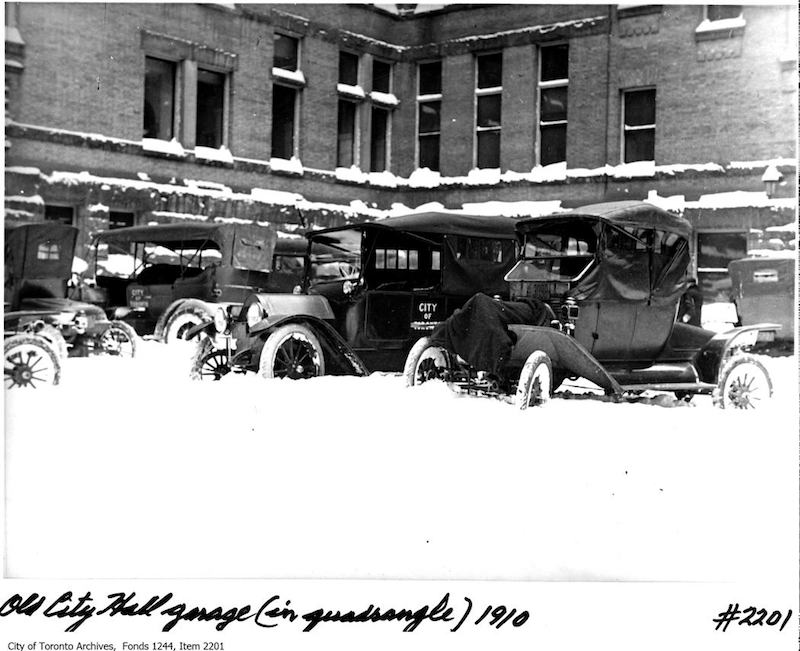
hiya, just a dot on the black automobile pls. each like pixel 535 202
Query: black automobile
pixel 594 294
pixel 371 290
pixel 163 279
pixel 41 324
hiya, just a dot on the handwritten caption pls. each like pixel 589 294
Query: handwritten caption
pixel 751 616
pixel 271 613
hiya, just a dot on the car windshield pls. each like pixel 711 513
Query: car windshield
pixel 336 255
pixel 558 251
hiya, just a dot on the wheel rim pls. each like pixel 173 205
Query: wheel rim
pixel 28 366
pixel 296 358
pixel 214 366
pixel 432 365
pixel 539 386
pixel 115 341
pixel 745 387
pixel 177 329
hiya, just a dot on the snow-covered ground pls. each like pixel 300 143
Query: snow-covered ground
pixel 128 469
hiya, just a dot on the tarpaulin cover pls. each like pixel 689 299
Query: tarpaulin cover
pixel 478 332
pixel 36 251
pixel 465 275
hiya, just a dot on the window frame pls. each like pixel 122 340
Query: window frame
pixel 487 92
pixel 59 220
pixel 298 42
pixel 542 85
pixel 624 129
pixel 295 120
pixel 356 128
pixel 177 99
pixel 428 98
pixel 226 108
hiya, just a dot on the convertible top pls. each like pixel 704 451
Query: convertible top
pixel 245 246
pixel 437 223
pixel 621 213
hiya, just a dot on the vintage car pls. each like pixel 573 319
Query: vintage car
pixel 763 290
pixel 163 279
pixel 38 266
pixel 594 295
pixel 370 291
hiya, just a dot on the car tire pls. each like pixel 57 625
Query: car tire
pixel 292 351
pixel 426 361
pixel 56 339
pixel 209 362
pixel 30 361
pixel 743 383
pixel 535 385
pixel 118 339
pixel 184 318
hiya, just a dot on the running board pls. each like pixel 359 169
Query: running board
pixel 695 387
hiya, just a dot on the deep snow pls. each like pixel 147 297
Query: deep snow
pixel 128 469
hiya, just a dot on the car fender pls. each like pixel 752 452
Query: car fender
pixel 158 333
pixel 278 305
pixel 565 353
pixel 718 349
pixel 338 354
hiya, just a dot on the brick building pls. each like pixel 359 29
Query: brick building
pixel 312 114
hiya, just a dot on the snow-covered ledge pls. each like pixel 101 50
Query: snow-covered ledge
pixel 711 29
pixel 291 166
pixel 293 77
pixel 168 148
pixel 387 99
pixel 221 155
pixel 351 91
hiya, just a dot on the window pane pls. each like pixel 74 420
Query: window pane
pixel 489 111
pixel 716 250
pixel 488 149
pixel 555 62
pixel 436 260
pixel 554 104
pixel 346 134
pixel 391 258
pixel 61 214
pixel 378 136
pixel 721 12
pixel 380 258
pixel 430 78
pixel 381 76
pixel 402 259
pixel 120 219
pixel 348 69
pixel 490 70
pixel 210 104
pixel 413 259
pixel 159 94
pixel 429 152
pixel 285 53
pixel 553 147
pixel 640 107
pixel 429 117
pixel 640 145
pixel 283 101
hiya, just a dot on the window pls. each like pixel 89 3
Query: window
pixel 284 101
pixel 210 108
pixel 381 76
pixel 48 251
pixel 61 214
pixel 285 52
pixel 488 91
pixel 119 219
pixel 429 107
pixel 723 12
pixel 346 137
pixel 379 139
pixel 348 68
pixel 553 82
pixel 639 125
pixel 396 259
pixel 159 99
pixel 714 252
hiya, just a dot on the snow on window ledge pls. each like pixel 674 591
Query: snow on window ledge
pixel 725 28
pixel 388 99
pixel 221 155
pixel 168 148
pixel 295 77
pixel 352 91
pixel 291 166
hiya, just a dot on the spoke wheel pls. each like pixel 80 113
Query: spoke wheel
pixel 426 362
pixel 292 351
pixel 118 340
pixel 535 381
pixel 208 362
pixel 743 384
pixel 182 321
pixel 30 362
